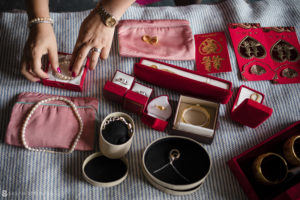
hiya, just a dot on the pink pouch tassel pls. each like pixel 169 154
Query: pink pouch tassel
pixel 157 39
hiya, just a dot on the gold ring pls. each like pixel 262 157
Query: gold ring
pixel 255 97
pixel 202 117
pixel 291 150
pixel 270 169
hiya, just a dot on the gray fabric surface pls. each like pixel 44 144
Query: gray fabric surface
pixel 30 175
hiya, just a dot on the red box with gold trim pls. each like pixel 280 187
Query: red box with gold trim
pixel 64 79
pixel 248 108
pixel 241 166
pixel 183 80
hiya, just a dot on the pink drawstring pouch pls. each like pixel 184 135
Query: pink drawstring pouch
pixel 53 124
pixel 158 39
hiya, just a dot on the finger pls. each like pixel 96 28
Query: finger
pixel 53 58
pixel 37 67
pixel 80 57
pixel 105 52
pixel 94 59
pixel 26 73
pixel 77 46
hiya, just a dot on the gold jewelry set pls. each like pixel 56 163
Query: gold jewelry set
pixel 272 168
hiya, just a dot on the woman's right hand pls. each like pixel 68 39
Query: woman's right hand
pixel 41 40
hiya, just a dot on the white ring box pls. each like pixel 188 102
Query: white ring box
pixel 248 108
pixel 107 177
pixel 199 133
pixel 75 84
pixel 157 112
pixel 115 90
pixel 115 150
pixel 194 164
pixel 137 98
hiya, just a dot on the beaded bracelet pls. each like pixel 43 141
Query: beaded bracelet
pixel 39 20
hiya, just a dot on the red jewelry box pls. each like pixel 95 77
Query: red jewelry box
pixel 137 98
pixel 248 109
pixel 241 168
pixel 116 89
pixel 183 80
pixel 74 84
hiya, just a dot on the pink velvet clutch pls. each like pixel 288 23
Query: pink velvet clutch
pixel 158 39
pixel 53 124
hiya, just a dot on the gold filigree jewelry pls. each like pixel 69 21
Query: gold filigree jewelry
pixel 196 115
pixel 283 51
pixel 255 97
pixel 150 40
pixel 289 73
pixel 250 48
pixel 159 107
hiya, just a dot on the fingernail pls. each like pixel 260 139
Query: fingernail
pixel 58 70
pixel 73 74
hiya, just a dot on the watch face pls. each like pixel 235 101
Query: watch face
pixel 110 21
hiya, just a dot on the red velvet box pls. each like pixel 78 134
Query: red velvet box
pixel 183 80
pixel 248 108
pixel 204 134
pixel 137 98
pixel 117 88
pixel 74 84
pixel 157 112
pixel 241 166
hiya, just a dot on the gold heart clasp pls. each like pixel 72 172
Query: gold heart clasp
pixel 150 40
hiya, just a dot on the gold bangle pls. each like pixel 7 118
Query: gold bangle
pixel 262 165
pixel 202 118
pixel 290 152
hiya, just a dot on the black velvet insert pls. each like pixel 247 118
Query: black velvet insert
pixel 103 169
pixel 116 132
pixel 193 162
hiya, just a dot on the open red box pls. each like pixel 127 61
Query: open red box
pixel 73 84
pixel 248 108
pixel 183 80
pixel 241 167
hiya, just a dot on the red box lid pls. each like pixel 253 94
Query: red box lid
pixel 183 84
pixel 241 168
pixel 250 112
pixel 114 92
pixel 135 102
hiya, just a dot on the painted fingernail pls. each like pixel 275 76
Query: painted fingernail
pixel 58 70
pixel 73 74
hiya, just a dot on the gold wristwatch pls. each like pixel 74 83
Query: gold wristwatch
pixel 108 19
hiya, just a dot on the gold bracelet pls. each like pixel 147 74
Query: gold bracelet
pixel 202 119
pixel 39 20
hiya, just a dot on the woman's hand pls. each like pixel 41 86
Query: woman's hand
pixel 93 34
pixel 41 40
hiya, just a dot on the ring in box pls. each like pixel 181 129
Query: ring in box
pixel 183 80
pixel 248 108
pixel 176 165
pixel 196 118
pixel 241 166
pixel 101 171
pixel 137 98
pixel 117 88
pixel 64 79
pixel 157 112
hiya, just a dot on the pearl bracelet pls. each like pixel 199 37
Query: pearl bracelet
pixel 62 76
pixel 73 106
pixel 39 20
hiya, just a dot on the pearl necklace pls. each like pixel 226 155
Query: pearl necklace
pixel 73 106
pixel 62 76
